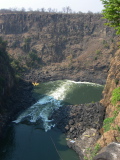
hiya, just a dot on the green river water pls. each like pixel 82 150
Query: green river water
pixel 32 136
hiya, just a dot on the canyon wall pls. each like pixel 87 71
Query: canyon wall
pixel 46 45
pixel 7 79
pixel 111 101
pixel 6 73
pixel 49 46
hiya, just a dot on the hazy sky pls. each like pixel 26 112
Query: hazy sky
pixel 75 5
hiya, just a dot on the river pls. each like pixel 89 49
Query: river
pixel 33 136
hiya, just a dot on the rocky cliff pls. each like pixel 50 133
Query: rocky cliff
pixel 111 101
pixel 6 78
pixel 91 127
pixel 45 45
pixel 6 73
pixel 14 95
pixel 110 132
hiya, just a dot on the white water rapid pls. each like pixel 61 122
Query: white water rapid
pixel 51 101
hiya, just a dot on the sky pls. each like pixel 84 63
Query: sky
pixel 75 5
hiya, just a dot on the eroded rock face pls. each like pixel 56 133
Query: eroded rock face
pixel 84 143
pixel 110 152
pixel 113 81
pixel 54 46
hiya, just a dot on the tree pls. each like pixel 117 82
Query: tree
pixel 42 10
pixel 67 9
pixel 111 12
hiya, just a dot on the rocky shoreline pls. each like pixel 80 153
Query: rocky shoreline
pixel 49 74
pixel 81 124
pixel 74 119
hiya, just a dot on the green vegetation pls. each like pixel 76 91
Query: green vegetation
pixel 98 52
pixel 112 13
pixel 115 96
pixel 109 121
pixel 34 57
pixel 105 44
pixel 26 46
pixel 116 111
pixel 116 128
pixel 92 152
pixel 15 65
pixel 33 60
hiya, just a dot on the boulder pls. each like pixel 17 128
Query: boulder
pixel 110 152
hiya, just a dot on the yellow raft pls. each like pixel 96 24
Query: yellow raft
pixel 35 83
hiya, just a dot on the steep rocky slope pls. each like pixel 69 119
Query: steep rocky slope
pixel 46 45
pixel 112 133
pixel 6 78
pixel 90 127
pixel 14 95
pixel 6 73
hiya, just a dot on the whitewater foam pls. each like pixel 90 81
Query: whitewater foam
pixel 89 83
pixel 52 100
pixel 45 107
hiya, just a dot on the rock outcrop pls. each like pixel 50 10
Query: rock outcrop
pixel 112 110
pixel 112 82
pixel 110 152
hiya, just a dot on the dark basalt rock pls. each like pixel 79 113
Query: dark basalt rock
pixel 75 119
pixel 81 124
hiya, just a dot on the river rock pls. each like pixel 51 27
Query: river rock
pixel 84 142
pixel 75 119
pixel 110 152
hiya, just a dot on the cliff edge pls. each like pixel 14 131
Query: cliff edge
pixel 111 100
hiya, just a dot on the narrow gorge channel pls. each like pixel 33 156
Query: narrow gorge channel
pixel 33 134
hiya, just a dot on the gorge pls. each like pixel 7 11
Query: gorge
pixel 45 47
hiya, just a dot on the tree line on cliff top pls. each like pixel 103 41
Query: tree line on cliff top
pixel 65 10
